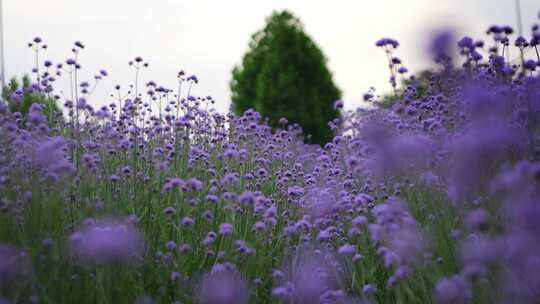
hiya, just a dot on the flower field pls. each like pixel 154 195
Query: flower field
pixel 157 198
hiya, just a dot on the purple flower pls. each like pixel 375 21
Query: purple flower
pixel 195 184
pixel 387 41
pixel 187 222
pixel 174 183
pixel 226 229
pixel 360 221
pixel 50 156
pixel 369 289
pixel 347 249
pixel 476 219
pixel 169 211
pixel 175 276
pixel 283 293
pixel 402 70
pixel 107 242
pixel 466 43
pixel 171 245
pixel 453 290
pixel 338 104
pixel 442 46
pixel 223 286
pixel 14 264
pixel 295 191
pixel 246 198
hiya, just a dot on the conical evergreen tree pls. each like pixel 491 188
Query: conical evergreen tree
pixel 284 74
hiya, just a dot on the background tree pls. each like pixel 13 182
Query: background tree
pixel 21 95
pixel 284 74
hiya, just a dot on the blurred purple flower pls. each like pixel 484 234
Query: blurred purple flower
pixel 107 242
pixel 223 286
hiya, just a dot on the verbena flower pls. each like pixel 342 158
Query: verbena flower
pixel 107 242
pixel 222 286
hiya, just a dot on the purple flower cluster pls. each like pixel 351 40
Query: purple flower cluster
pixel 106 241
pixel 223 285
pixel 14 266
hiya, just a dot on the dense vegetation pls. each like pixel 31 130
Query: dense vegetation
pixel 155 199
pixel 284 74
pixel 21 95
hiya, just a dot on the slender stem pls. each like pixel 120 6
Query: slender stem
pixel 179 94
pixel 189 90
pixel 2 71
pixel 522 57
pixel 37 65
pixel 392 73
pixel 518 16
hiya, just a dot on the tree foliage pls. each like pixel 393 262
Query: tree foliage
pixel 21 95
pixel 284 74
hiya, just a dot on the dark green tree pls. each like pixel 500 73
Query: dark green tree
pixel 284 74
pixel 20 98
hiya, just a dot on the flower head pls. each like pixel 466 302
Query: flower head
pixel 106 242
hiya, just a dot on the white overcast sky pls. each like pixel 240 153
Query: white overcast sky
pixel 208 38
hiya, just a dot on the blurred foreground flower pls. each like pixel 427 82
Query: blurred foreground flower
pixel 107 242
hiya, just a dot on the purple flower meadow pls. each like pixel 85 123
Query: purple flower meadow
pixel 429 195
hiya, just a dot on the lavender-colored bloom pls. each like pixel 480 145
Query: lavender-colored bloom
pixel 476 219
pixel 184 248
pixel 387 41
pixel 226 229
pixel 453 290
pixel 246 198
pixel 360 221
pixel 169 211
pixel 195 184
pixel 187 221
pixel 466 43
pixel 357 258
pixel 369 289
pixel 295 191
pixel 223 286
pixel 106 242
pixel 311 277
pixel 175 276
pixel 283 293
pixel 51 157
pixel 174 183
pixel 442 46
pixel 171 245
pixel 347 249
pixel 14 264
pixel 476 152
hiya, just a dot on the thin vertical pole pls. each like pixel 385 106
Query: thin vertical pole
pixel 2 69
pixel 518 15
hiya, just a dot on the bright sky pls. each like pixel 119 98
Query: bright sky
pixel 208 38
